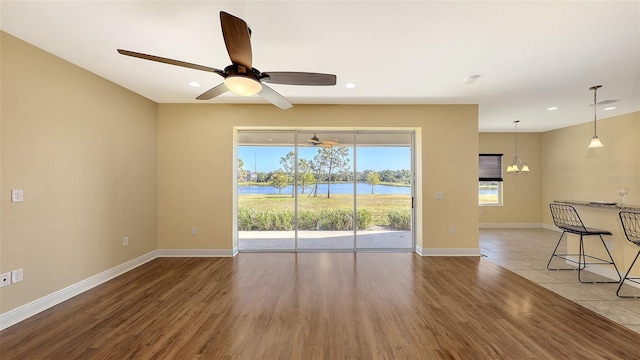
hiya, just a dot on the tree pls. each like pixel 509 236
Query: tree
pixel 373 179
pixel 305 179
pixel 288 163
pixel 279 180
pixel 261 177
pixel 242 173
pixel 334 158
pixel 305 175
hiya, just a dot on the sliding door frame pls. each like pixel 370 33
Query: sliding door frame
pixel 416 208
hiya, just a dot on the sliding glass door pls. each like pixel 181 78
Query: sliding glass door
pixel 325 191
pixel 384 188
pixel 326 200
pixel 266 200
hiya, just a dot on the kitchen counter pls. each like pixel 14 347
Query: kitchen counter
pixel 601 205
pixel 599 214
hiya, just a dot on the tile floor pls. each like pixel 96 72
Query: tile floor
pixel 526 253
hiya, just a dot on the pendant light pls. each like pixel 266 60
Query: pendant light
pixel 517 165
pixel 595 142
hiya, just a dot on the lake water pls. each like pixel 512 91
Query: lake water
pixel 339 188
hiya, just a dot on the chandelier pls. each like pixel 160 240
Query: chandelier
pixel 517 165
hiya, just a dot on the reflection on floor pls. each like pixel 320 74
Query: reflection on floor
pixel 526 253
pixel 322 240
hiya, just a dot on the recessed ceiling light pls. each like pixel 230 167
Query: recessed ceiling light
pixel 552 108
pixel 194 84
pixel 350 85
pixel 609 108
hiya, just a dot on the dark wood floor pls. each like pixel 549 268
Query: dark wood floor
pixel 319 306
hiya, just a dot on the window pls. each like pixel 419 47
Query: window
pixel 490 180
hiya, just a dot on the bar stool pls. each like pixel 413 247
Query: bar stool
pixel 631 225
pixel 566 218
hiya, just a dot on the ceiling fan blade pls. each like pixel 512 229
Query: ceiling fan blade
pixel 171 62
pixel 299 78
pixel 237 39
pixel 273 97
pixel 213 92
pixel 329 142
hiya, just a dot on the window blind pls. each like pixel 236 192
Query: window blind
pixel 490 167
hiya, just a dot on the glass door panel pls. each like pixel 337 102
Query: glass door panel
pixel 266 200
pixel 384 195
pixel 325 213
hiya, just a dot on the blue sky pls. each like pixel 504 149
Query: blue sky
pixel 267 158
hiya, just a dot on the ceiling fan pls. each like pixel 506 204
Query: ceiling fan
pixel 241 77
pixel 315 141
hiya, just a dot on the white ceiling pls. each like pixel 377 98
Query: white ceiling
pixel 529 55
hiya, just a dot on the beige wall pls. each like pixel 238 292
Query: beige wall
pixel 84 151
pixel 195 165
pixel 98 162
pixel 572 171
pixel 522 193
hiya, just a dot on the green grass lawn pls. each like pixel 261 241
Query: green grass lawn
pixel 379 205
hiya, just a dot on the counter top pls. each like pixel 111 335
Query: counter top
pixel 601 204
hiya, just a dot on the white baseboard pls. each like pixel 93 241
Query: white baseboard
pixel 23 312
pixel 448 251
pixel 197 252
pixel 510 225
pixel 418 250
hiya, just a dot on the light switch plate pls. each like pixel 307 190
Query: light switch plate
pixel 16 276
pixel 17 195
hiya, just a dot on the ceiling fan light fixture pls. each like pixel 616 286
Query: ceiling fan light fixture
pixel 242 85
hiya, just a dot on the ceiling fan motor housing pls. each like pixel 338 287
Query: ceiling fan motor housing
pixel 239 70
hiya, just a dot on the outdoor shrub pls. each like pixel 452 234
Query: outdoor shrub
pixel 365 218
pixel 336 219
pixel 264 220
pixel 244 219
pixel 308 220
pixel 400 219
pixel 277 220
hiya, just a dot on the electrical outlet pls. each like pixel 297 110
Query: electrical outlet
pixel 125 241
pixel 194 231
pixel 17 195
pixel 452 230
pixel 5 279
pixel 439 195
pixel 16 276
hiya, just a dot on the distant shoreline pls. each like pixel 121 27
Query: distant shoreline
pixel 250 183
